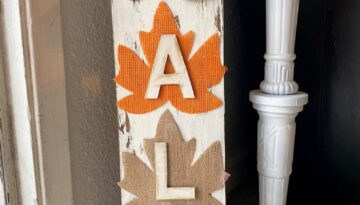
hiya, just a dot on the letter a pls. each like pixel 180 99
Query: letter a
pixel 169 47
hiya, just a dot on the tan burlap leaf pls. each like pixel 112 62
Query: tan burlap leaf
pixel 206 174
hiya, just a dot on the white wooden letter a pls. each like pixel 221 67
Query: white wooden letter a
pixel 163 192
pixel 169 47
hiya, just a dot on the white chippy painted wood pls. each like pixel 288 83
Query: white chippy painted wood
pixel 163 192
pixel 169 48
pixel 204 18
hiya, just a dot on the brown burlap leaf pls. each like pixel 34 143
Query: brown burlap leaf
pixel 206 174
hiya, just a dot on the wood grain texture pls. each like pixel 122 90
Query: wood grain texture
pixel 204 17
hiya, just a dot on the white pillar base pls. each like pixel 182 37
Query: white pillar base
pixel 276 136
pixel 273 190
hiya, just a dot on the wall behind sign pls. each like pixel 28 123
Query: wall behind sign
pixel 88 47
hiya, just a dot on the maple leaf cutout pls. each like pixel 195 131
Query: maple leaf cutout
pixel 206 174
pixel 204 68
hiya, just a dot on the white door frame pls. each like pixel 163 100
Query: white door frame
pixel 8 190
pixel 34 73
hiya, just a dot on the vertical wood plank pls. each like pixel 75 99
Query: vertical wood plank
pixel 205 18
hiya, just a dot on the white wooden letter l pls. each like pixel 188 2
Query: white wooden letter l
pixel 163 192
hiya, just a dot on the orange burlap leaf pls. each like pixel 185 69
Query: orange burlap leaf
pixel 206 174
pixel 204 68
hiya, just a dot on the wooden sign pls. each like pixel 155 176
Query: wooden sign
pixel 170 92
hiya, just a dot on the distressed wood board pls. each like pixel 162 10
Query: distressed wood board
pixel 204 18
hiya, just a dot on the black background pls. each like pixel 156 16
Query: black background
pixel 326 167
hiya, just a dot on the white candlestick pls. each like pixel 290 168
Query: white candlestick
pixel 278 103
pixel 281 21
pixel 276 135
